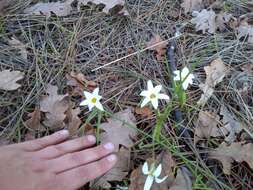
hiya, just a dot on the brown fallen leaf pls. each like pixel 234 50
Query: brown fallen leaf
pixel 192 5
pixel 207 126
pixel 34 121
pixel 17 44
pixel 58 8
pixel 248 67
pixel 230 124
pixel 222 19
pixel 238 151
pixel 182 181
pixel 117 129
pixel 79 82
pixel 137 178
pixel 109 4
pixel 54 106
pixel 214 75
pixel 4 4
pixel 117 173
pixel 72 120
pixel 145 112
pixel 159 49
pixel 8 79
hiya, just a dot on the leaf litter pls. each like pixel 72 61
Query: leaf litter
pixel 9 79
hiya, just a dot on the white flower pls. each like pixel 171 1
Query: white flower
pixel 92 100
pixel 181 76
pixel 153 174
pixel 153 95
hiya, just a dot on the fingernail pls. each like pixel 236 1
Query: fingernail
pixel 109 146
pixel 64 133
pixel 111 158
pixel 91 138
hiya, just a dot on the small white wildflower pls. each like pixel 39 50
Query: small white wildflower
pixel 181 76
pixel 153 175
pixel 152 94
pixel 92 100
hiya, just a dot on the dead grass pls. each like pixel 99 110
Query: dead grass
pixel 91 39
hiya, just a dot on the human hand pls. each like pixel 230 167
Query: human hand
pixel 52 163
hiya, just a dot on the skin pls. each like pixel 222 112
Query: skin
pixel 53 163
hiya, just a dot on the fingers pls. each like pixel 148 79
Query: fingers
pixel 67 147
pixel 77 177
pixel 76 159
pixel 41 143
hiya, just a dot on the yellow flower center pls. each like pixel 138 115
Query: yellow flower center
pixel 94 100
pixel 152 96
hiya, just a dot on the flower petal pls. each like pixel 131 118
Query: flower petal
pixel 145 102
pixel 184 72
pixel 158 171
pixel 177 77
pixel 90 106
pixel 99 106
pixel 157 180
pixel 88 95
pixel 84 103
pixel 163 97
pixel 145 168
pixel 158 88
pixel 185 85
pixel 145 93
pixel 150 85
pixel 149 182
pixel 95 92
pixel 155 103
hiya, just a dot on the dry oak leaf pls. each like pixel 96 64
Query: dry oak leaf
pixel 8 79
pixel 20 46
pixel 58 8
pixel 145 112
pixel 109 4
pixel 79 82
pixel 117 173
pixel 137 178
pixel 159 49
pixel 207 126
pixel 204 21
pixel 72 120
pixel 192 5
pixel 245 30
pixel 238 151
pixel 117 129
pixel 214 75
pixel 54 106
pixel 34 121
pixel 230 124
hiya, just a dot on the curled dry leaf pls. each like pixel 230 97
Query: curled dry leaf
pixel 192 5
pixel 245 30
pixel 20 46
pixel 137 179
pixel 58 8
pixel 230 124
pixel 34 122
pixel 239 152
pixel 160 48
pixel 117 173
pixel 214 75
pixel 54 106
pixel 72 120
pixel 207 126
pixel 79 83
pixel 182 181
pixel 145 112
pixel 109 4
pixel 8 80
pixel 117 129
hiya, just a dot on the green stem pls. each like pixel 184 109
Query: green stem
pixel 98 126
